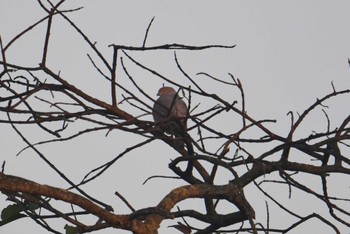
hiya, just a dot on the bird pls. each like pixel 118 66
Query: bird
pixel 170 112
pixel 169 106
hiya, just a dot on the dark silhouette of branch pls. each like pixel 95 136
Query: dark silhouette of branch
pixel 217 166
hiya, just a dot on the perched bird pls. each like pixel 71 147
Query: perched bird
pixel 171 112
pixel 169 106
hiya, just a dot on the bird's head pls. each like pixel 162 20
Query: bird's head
pixel 166 90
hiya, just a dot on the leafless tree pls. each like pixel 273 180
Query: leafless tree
pixel 40 96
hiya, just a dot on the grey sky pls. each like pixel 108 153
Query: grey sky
pixel 287 55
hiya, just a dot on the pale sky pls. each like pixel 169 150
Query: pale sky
pixel 287 55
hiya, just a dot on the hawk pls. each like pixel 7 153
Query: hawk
pixel 171 111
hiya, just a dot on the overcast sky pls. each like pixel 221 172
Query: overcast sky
pixel 287 54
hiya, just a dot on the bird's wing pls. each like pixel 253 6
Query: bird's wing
pixel 180 108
